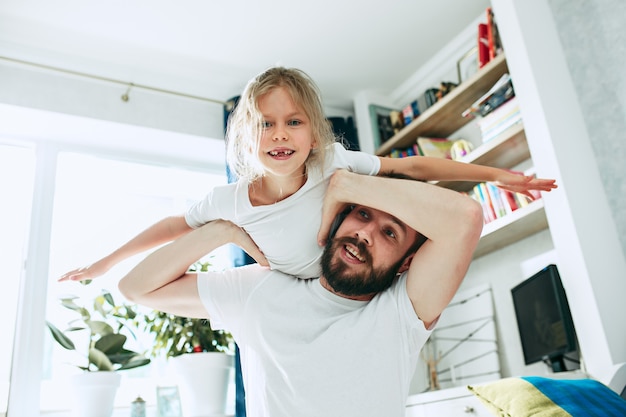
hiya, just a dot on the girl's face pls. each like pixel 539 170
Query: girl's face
pixel 287 138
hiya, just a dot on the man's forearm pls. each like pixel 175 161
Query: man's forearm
pixel 432 210
pixel 170 262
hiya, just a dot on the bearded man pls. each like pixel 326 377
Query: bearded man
pixel 345 344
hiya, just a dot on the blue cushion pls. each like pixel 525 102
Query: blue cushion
pixel 538 397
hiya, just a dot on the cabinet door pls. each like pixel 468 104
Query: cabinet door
pixel 469 406
pixel 416 411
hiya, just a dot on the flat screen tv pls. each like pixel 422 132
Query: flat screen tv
pixel 544 320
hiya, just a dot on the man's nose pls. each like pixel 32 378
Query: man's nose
pixel 364 234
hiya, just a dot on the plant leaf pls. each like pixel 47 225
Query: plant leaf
pixel 135 362
pixel 60 337
pixel 111 343
pixel 100 360
pixel 100 327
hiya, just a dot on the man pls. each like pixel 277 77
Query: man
pixel 346 344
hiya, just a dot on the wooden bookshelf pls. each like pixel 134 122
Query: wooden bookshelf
pixel 515 226
pixel 504 151
pixel 444 117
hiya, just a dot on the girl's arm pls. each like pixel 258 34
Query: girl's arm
pixel 440 169
pixel 163 231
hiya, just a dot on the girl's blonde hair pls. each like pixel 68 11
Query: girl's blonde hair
pixel 245 123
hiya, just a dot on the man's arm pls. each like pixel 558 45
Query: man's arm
pixel 161 280
pixel 451 221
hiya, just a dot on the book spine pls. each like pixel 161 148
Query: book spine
pixel 483 45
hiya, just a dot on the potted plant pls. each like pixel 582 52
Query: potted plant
pixel 103 351
pixel 201 357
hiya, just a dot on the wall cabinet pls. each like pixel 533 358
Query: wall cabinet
pixel 453 402
pixel 504 151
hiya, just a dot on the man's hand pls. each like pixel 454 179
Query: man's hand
pixel 334 202
pixel 242 239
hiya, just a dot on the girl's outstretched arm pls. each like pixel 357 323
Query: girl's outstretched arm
pixel 440 169
pixel 163 231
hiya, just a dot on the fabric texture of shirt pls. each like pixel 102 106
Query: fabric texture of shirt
pixel 285 231
pixel 308 352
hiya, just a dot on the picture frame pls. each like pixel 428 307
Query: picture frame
pixel 168 402
pixel 467 65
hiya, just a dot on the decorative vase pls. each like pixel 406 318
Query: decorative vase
pixel 94 393
pixel 203 380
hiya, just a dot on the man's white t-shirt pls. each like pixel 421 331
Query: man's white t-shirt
pixel 285 231
pixel 308 352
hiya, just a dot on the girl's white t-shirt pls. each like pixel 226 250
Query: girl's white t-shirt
pixel 286 232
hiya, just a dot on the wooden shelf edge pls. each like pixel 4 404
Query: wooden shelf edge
pixel 511 228
pixel 466 93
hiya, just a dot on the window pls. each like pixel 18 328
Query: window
pixel 98 205
pixel 16 188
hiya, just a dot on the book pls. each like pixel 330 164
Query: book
pixel 502 118
pixel 483 45
pixel 435 147
pixel 380 120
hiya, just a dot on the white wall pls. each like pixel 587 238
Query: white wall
pixel 582 222
pixel 27 86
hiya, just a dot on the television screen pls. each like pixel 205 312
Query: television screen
pixel 544 320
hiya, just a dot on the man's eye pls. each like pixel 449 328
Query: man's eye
pixel 294 123
pixel 390 233
pixel 363 214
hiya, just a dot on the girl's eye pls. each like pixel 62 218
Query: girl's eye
pixel 294 123
pixel 266 124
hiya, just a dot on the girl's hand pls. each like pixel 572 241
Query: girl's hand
pixel 87 272
pixel 523 184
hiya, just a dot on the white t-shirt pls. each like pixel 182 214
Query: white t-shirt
pixel 285 231
pixel 308 352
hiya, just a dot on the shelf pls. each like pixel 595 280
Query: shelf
pixel 504 151
pixel 515 226
pixel 444 117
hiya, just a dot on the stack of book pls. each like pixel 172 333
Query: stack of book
pixel 497 202
pixel 434 147
pixel 500 119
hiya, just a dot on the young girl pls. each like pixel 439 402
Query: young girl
pixel 284 152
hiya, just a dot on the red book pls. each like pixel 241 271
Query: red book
pixel 491 44
pixel 483 45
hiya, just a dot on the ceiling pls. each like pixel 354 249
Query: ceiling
pixel 210 49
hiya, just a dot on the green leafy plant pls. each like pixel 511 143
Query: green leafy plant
pixel 174 335
pixel 105 348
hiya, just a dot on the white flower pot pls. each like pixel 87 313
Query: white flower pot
pixel 94 393
pixel 203 380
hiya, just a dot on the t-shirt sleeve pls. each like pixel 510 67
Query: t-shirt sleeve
pixel 217 204
pixel 416 330
pixel 225 294
pixel 356 161
pixel 201 212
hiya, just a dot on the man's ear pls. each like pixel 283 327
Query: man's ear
pixel 406 263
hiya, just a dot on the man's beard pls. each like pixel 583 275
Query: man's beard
pixel 340 278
